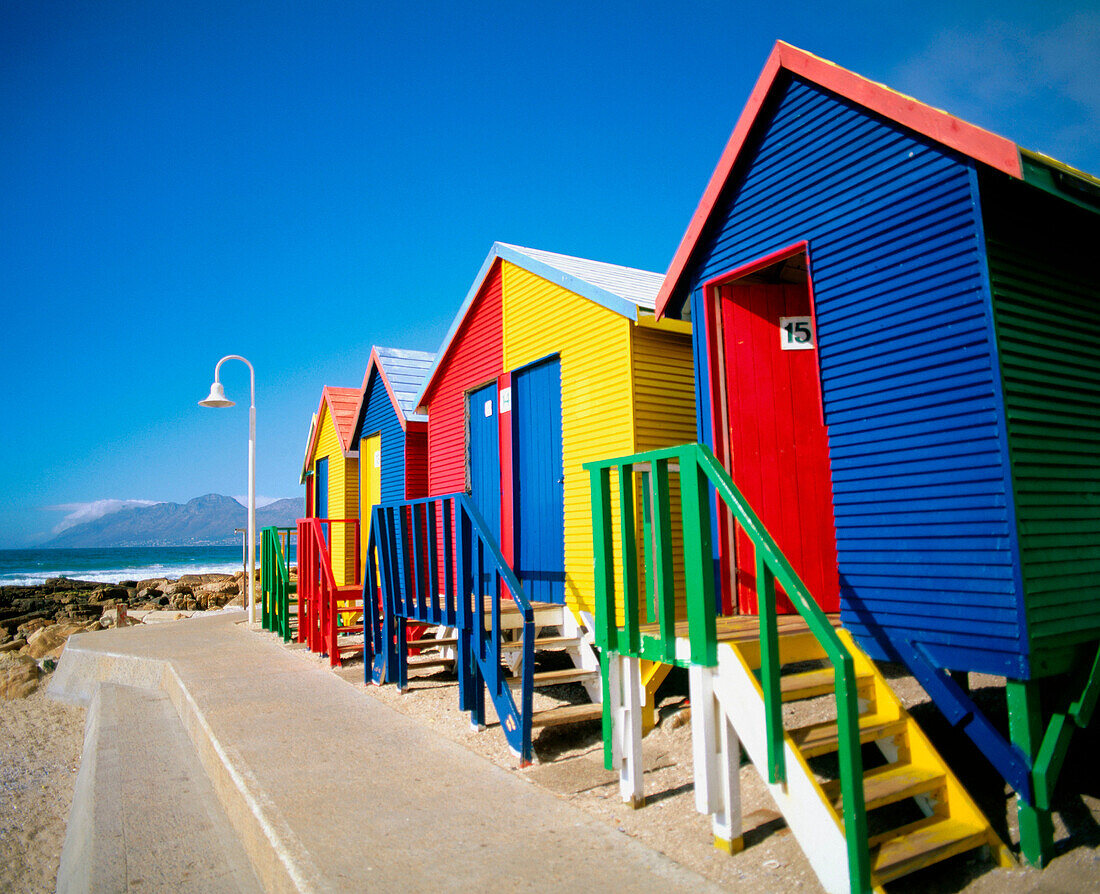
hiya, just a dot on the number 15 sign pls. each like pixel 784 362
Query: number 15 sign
pixel 796 333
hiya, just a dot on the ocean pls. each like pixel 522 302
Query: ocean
pixel 26 567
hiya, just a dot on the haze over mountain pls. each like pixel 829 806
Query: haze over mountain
pixel 203 521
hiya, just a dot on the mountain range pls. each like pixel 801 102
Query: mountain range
pixel 203 521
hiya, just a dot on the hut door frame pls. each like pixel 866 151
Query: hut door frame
pixel 719 403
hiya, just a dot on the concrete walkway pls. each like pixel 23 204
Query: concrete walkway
pixel 324 787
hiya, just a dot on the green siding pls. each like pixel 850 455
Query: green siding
pixel 1046 298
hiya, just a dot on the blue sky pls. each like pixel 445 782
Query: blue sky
pixel 295 182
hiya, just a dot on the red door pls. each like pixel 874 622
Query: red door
pixel 778 447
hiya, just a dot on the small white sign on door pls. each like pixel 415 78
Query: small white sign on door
pixel 378 459
pixel 505 400
pixel 488 408
pixel 796 333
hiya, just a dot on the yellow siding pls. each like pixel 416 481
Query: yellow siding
pixel 540 319
pixel 343 497
pixel 664 412
pixel 370 485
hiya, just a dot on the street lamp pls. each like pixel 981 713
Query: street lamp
pixel 217 398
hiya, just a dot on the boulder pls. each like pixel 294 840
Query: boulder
pixel 46 640
pixel 18 676
pixel 149 593
pixel 14 645
pixel 25 630
pixel 111 594
pixel 179 588
pixel 128 583
pixel 152 583
pixel 227 586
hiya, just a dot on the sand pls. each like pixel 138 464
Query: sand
pixel 40 744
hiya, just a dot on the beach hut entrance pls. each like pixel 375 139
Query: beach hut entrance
pixel 370 483
pixel 538 497
pixel 768 424
pixel 484 455
pixel 320 483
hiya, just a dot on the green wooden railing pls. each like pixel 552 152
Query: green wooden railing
pixel 275 585
pixel 698 471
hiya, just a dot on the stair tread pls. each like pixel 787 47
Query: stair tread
pixel 429 641
pixel 565 675
pixel 566 714
pixel 927 841
pixel 889 784
pixel 812 683
pixel 821 738
pixel 541 642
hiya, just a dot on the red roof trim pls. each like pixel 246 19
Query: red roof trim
pixel 975 142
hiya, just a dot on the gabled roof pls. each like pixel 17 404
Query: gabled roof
pixel 623 290
pixel 968 139
pixel 341 403
pixel 402 375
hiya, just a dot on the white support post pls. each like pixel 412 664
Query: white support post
pixel 727 822
pixel 626 696
pixel 704 736
pixel 716 751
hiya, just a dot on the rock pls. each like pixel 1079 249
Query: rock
pixel 149 593
pixel 46 640
pixel 25 630
pixel 18 677
pixel 152 583
pixel 178 588
pixel 13 646
pixel 128 583
pixel 227 586
pixel 112 594
pixel 680 718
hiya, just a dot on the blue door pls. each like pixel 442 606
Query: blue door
pixel 538 489
pixel 484 456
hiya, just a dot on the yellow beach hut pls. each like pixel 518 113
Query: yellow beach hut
pixel 331 475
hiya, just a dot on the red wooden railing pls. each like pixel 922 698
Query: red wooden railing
pixel 323 606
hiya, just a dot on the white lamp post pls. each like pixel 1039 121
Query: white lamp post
pixel 217 398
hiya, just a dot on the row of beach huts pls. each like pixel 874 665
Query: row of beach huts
pixel 857 420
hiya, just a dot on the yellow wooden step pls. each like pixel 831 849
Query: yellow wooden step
pixel 920 844
pixel 793 647
pixel 812 683
pixel 821 738
pixel 566 714
pixel 888 785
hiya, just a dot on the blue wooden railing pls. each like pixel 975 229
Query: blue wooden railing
pixel 434 561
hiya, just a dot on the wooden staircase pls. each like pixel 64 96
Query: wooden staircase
pixel 438 648
pixel 917 811
pixel 858 782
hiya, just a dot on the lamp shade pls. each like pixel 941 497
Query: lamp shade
pixel 217 397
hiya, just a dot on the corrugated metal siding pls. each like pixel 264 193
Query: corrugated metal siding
pixel 1046 294
pixel 541 318
pixel 343 497
pixel 919 476
pixel 379 416
pixel 474 357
